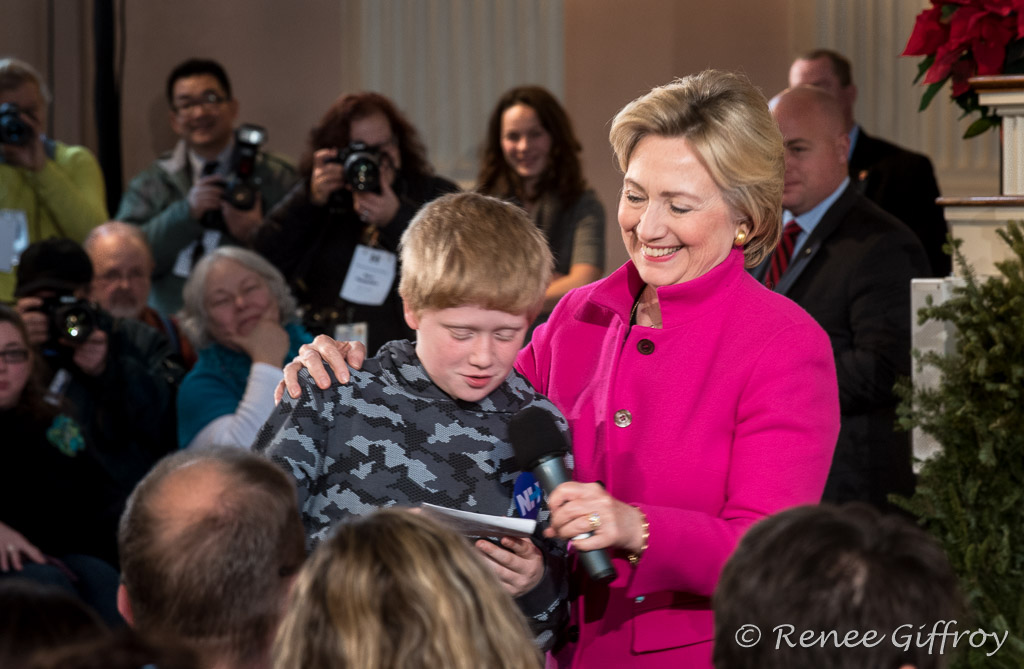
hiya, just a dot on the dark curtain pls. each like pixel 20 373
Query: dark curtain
pixel 107 96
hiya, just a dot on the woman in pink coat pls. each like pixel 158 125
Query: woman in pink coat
pixel 699 400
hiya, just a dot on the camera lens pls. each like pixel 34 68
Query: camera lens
pixel 13 130
pixel 363 173
pixel 77 324
pixel 73 320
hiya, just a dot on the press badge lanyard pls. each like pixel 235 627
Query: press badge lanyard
pixel 371 273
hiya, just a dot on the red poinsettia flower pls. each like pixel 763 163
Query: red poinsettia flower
pixel 1018 7
pixel 965 38
pixel 986 32
pixel 990 48
pixel 1000 7
pixel 959 74
pixel 929 33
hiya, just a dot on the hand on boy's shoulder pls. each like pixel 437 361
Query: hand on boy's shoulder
pixel 339 355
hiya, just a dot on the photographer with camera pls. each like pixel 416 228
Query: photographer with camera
pixel 212 189
pixel 47 189
pixel 365 174
pixel 119 376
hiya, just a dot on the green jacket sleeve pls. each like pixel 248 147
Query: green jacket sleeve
pixel 70 187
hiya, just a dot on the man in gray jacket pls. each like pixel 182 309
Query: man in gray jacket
pixel 178 200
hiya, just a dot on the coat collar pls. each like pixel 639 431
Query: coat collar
pixel 828 224
pixel 680 303
pixel 175 165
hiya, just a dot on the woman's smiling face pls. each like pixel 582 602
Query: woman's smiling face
pixel 236 299
pixel 675 224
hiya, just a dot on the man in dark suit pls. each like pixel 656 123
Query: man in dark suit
pixel 851 268
pixel 901 182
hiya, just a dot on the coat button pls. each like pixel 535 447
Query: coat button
pixel 573 633
pixel 645 346
pixel 623 418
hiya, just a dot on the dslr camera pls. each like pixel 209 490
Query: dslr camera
pixel 73 319
pixel 360 166
pixel 13 129
pixel 241 188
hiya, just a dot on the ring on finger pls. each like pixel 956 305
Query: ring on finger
pixel 595 521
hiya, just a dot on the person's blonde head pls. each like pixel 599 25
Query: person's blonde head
pixel 471 249
pixel 727 124
pixel 395 590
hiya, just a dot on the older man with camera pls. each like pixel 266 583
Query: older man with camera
pixel 47 188
pixel 118 377
pixel 211 190
pixel 365 174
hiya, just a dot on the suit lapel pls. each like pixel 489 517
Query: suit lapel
pixel 860 161
pixel 828 224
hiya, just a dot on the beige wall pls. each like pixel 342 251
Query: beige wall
pixel 283 58
pixel 616 51
pixel 23 34
pixel 286 63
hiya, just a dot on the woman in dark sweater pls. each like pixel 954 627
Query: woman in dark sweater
pixel 58 508
pixel 330 227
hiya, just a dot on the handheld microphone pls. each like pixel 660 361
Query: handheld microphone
pixel 539 447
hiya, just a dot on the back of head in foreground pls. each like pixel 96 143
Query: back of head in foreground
pixel 472 249
pixel 124 649
pixel 36 617
pixel 209 543
pixel 395 590
pixel 833 569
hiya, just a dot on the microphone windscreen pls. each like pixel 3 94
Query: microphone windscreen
pixel 535 435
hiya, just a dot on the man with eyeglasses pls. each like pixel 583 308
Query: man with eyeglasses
pixel 173 197
pixel 47 188
pixel 122 264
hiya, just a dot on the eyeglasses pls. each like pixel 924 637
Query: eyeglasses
pixel 207 101
pixel 113 276
pixel 14 356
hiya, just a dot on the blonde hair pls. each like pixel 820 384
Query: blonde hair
pixel 472 249
pixel 395 590
pixel 727 123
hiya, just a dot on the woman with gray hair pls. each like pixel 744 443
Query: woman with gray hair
pixel 240 316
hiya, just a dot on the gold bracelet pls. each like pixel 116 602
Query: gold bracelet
pixel 645 534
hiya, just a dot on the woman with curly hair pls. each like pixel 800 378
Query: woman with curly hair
pixel 328 221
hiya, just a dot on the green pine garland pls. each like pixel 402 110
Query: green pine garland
pixel 971 495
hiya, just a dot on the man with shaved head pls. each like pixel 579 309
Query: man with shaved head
pixel 209 543
pixel 849 264
pixel 900 181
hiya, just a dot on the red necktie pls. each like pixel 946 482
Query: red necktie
pixel 783 254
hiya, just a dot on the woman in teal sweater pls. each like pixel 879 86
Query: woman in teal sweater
pixel 240 316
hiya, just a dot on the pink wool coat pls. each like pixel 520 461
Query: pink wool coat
pixel 726 414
